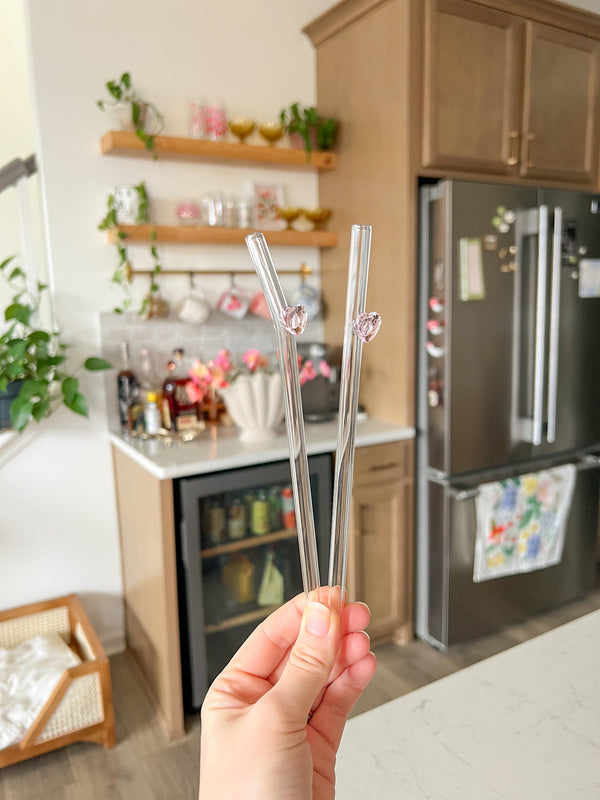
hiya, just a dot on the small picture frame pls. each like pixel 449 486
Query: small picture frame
pixel 267 198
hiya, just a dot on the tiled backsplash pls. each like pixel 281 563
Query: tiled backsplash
pixel 203 341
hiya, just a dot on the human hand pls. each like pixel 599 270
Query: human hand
pixel 272 721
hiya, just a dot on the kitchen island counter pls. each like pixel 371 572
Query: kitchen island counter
pixel 220 448
pixel 522 724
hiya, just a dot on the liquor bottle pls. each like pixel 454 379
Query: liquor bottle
pixel 179 412
pixel 146 377
pixel 127 390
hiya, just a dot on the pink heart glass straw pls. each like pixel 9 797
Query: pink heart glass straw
pixel 290 322
pixel 359 327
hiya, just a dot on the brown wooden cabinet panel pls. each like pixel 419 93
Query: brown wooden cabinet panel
pixel 472 77
pixel 380 559
pixel 560 119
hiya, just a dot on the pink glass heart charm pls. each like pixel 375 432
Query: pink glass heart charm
pixel 366 325
pixel 294 319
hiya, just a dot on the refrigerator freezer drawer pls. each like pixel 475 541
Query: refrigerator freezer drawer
pixel 459 609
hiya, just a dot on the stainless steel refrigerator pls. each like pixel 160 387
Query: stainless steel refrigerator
pixel 508 384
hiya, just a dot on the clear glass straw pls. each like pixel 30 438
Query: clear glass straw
pixel 356 296
pixel 294 420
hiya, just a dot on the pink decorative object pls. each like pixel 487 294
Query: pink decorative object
pixel 259 306
pixel 198 119
pixel 216 122
pixel 294 319
pixel 366 326
pixel 188 213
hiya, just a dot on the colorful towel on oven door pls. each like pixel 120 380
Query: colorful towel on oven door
pixel 521 522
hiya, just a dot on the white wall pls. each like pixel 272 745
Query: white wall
pixel 58 526
pixel 58 529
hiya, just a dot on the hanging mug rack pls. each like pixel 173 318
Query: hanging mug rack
pixel 303 270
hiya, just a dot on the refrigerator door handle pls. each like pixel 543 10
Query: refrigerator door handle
pixel 540 327
pixel 554 324
pixel 464 494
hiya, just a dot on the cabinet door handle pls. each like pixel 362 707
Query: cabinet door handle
pixel 513 138
pixel 381 467
pixel 530 141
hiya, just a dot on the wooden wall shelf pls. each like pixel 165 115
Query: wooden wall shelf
pixel 192 234
pixel 126 143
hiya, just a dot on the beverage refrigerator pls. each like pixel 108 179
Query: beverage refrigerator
pixel 508 395
pixel 237 558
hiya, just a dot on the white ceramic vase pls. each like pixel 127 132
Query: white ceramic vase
pixel 255 404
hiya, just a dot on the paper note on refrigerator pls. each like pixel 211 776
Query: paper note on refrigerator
pixel 589 277
pixel 471 269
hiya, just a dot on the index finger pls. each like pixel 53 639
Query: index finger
pixel 267 644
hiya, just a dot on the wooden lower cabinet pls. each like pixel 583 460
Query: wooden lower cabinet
pixel 380 558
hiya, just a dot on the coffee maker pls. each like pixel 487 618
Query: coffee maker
pixel 320 396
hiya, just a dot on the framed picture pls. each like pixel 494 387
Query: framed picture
pixel 267 198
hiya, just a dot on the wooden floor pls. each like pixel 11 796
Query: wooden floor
pixel 143 765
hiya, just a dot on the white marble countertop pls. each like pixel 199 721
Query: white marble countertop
pixel 220 448
pixel 521 725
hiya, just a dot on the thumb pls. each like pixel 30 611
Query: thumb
pixel 311 660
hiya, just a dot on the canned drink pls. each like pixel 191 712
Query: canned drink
pixel 287 508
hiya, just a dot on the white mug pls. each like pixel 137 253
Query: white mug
pixel 194 309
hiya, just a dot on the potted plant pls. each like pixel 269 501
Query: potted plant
pixel 314 129
pixel 132 110
pixel 33 374
pixel 122 274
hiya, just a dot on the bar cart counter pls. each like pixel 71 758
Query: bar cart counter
pixel 175 562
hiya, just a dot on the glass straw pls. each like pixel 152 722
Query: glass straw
pixel 294 420
pixel 358 272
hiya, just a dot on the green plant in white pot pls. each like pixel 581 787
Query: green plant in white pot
pixel 32 359
pixel 133 111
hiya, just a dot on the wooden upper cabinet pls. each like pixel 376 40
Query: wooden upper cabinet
pixel 560 118
pixel 473 79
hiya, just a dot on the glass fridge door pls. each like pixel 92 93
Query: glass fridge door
pixel 239 559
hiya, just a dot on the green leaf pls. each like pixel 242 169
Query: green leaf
pixel 95 364
pixel 39 336
pixel 40 409
pixel 114 89
pixel 70 387
pixel 16 273
pixel 126 80
pixel 78 404
pixel 3 383
pixel 17 348
pixel 20 413
pixel 19 312
pixel 33 388
pixel 6 262
pixel 135 113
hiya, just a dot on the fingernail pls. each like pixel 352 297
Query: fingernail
pixel 317 618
